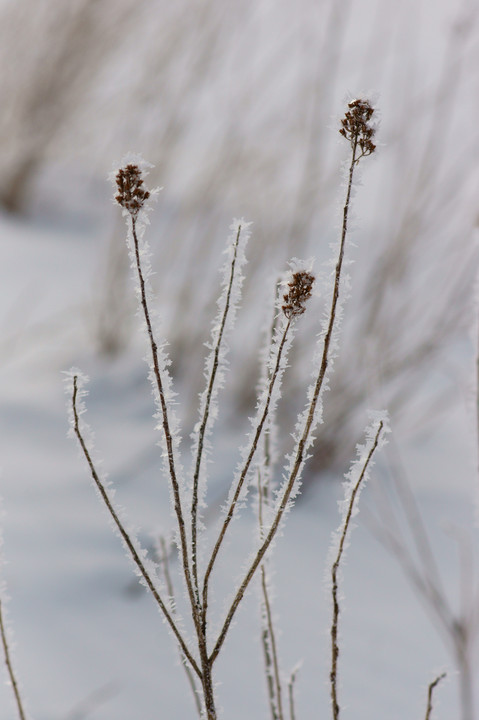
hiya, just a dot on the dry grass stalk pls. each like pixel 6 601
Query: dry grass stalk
pixel 204 421
pixel 430 691
pixel 268 635
pixel 334 575
pixel 291 683
pixel 8 663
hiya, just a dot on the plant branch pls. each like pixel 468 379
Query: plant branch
pixel 202 430
pixel 166 423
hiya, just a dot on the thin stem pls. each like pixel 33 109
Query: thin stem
pixel 302 444
pixel 334 577
pixel 167 432
pixel 430 692
pixel 9 665
pixel 272 642
pixel 169 586
pixel 266 634
pixel 244 471
pixel 292 680
pixel 124 534
pixel 204 422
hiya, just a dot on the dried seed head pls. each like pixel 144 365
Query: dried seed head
pixel 300 290
pixel 356 126
pixel 131 193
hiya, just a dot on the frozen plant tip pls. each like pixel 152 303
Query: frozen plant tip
pixel 356 127
pixel 300 290
pixel 131 193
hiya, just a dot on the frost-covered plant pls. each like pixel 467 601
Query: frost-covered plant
pixel 258 456
pixel 188 494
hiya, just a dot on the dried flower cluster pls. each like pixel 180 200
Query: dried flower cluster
pixel 300 289
pixel 356 127
pixel 131 193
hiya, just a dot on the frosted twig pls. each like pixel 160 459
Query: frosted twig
pixel 169 587
pixel 292 680
pixel 361 144
pixel 123 532
pixel 246 466
pixel 270 639
pixel 166 423
pixel 206 411
pixel 299 292
pixel 430 692
pixel 335 569
pixel 132 196
pixel 8 662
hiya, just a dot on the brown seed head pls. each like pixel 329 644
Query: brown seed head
pixel 300 290
pixel 131 193
pixel 356 127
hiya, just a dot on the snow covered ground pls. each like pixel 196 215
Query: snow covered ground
pixel 88 642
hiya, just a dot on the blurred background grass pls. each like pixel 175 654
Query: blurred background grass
pixel 237 106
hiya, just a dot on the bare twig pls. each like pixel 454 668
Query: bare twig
pixel 165 420
pixel 132 196
pixel 334 577
pixel 430 691
pixel 270 638
pixel 291 683
pixel 204 421
pixel 8 662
